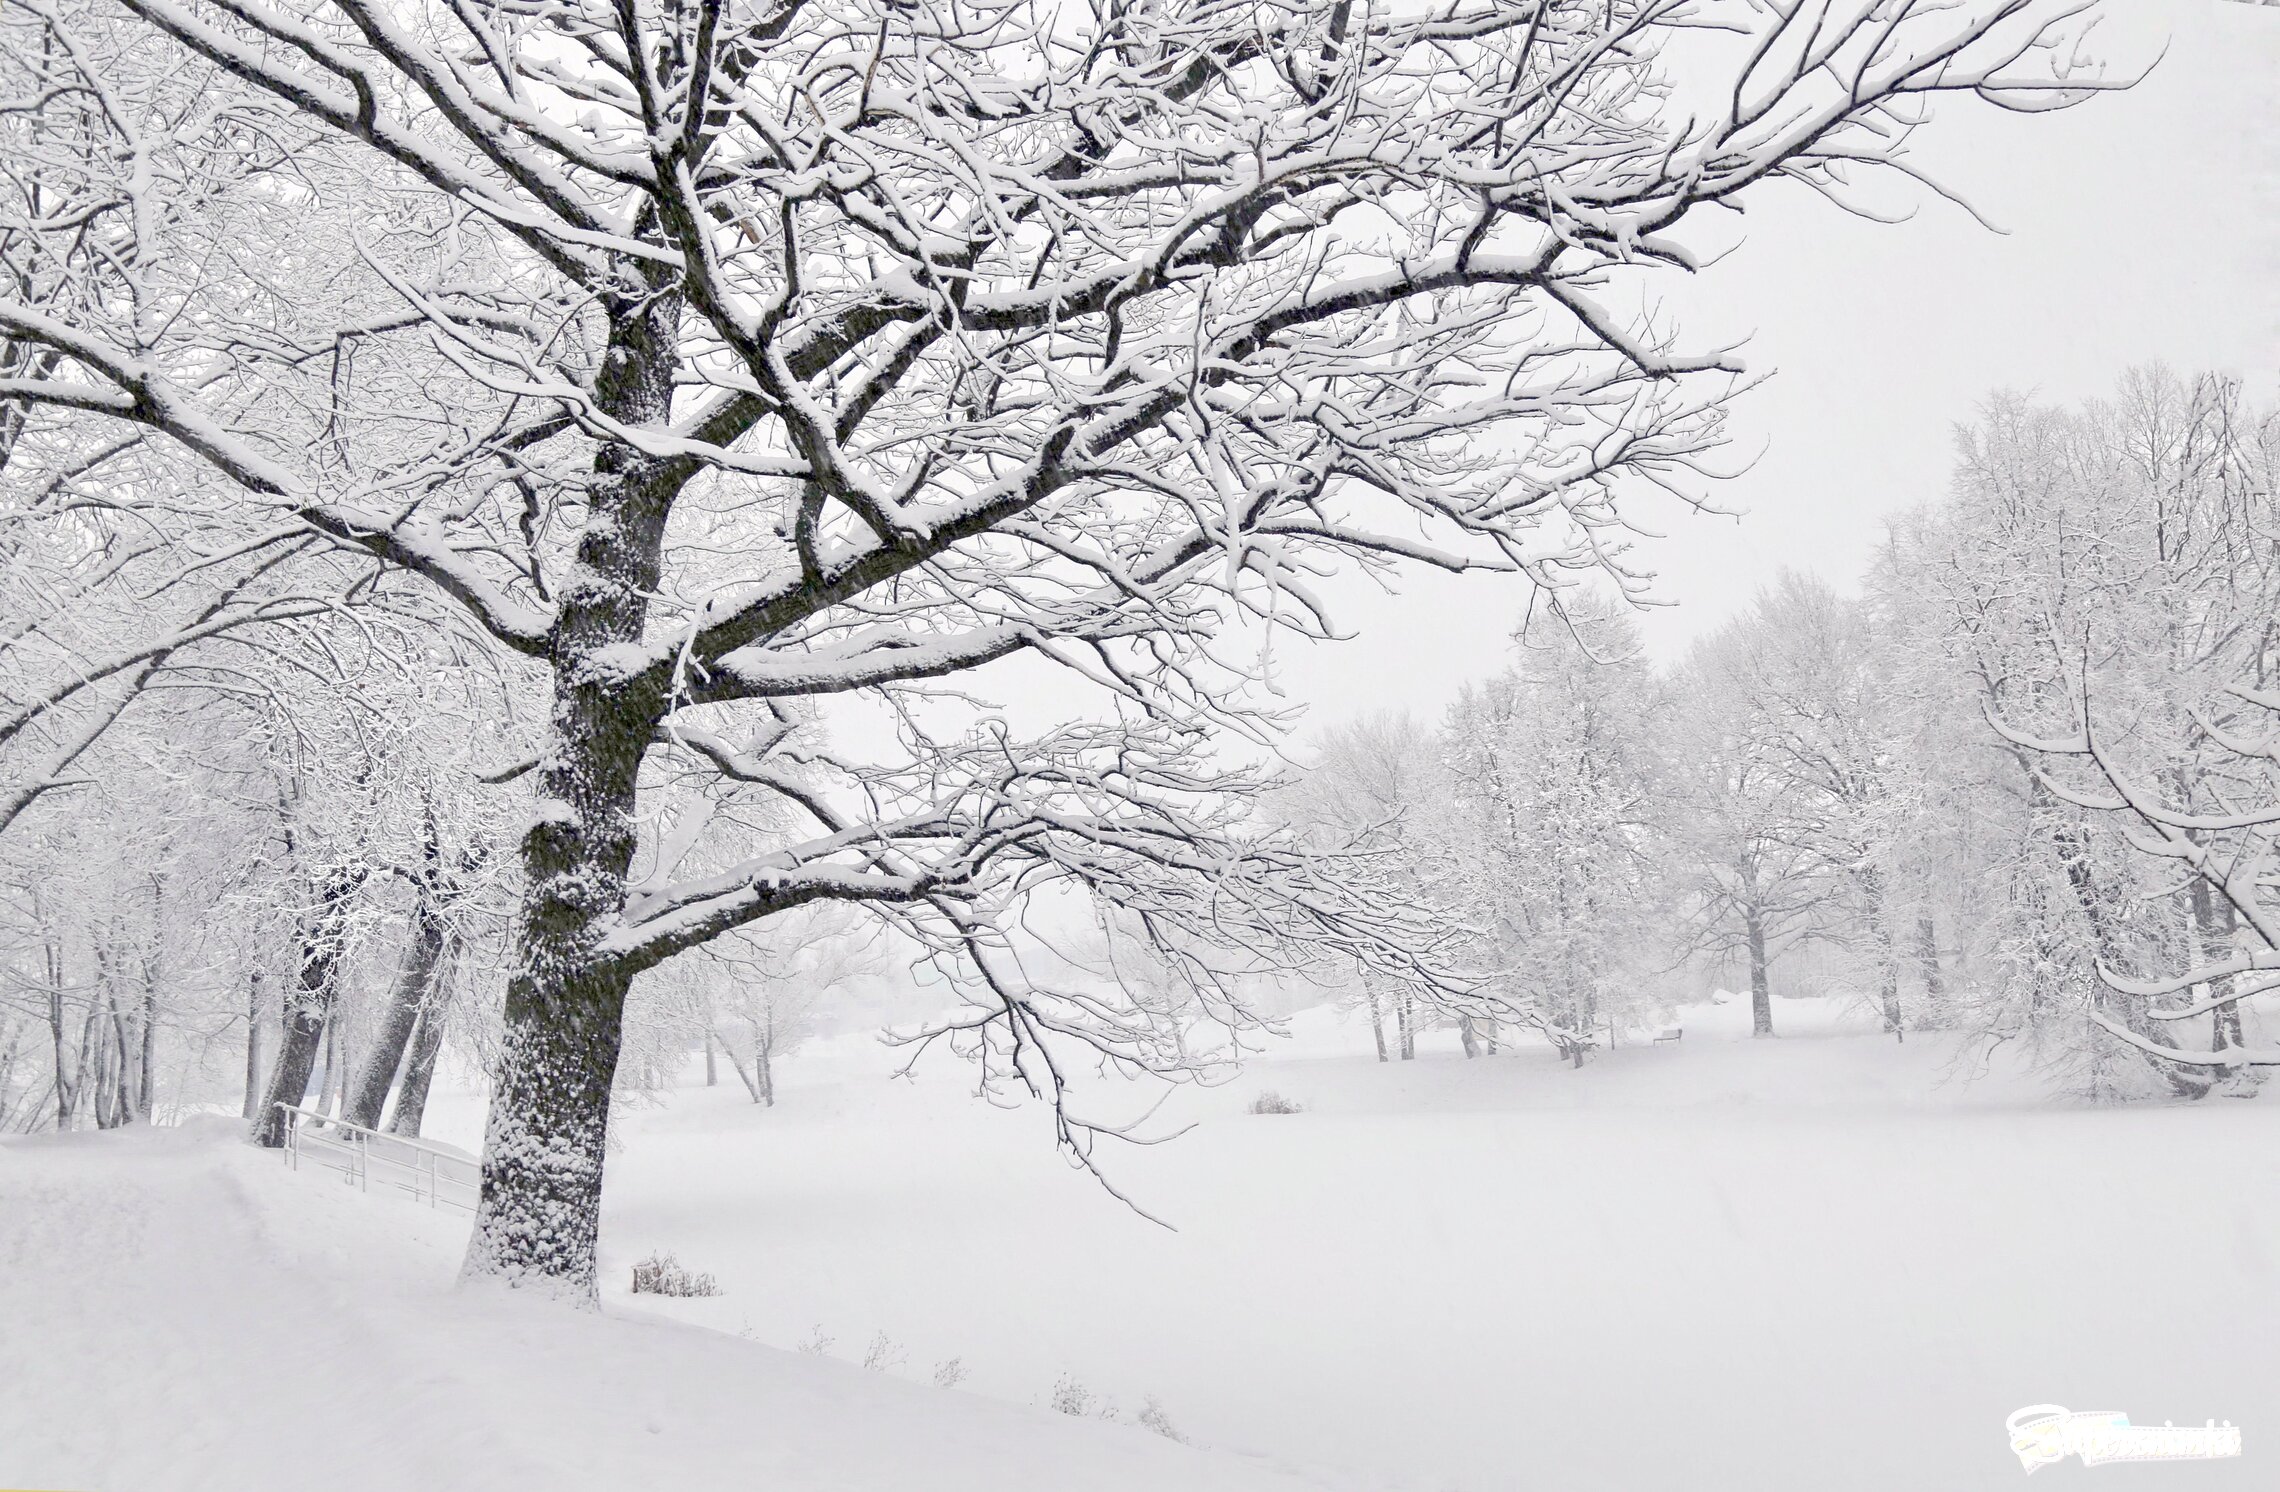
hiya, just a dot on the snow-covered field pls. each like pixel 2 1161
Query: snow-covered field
pixel 1816 1262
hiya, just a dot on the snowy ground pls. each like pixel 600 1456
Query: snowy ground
pixel 1713 1264
pixel 178 1312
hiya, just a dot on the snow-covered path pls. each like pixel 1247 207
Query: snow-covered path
pixel 178 1313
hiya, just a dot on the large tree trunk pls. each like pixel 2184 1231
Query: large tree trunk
pixel 302 1030
pixel 415 977
pixel 101 1032
pixel 306 1010
pixel 122 1072
pixel 90 1060
pixel 1761 985
pixel 2073 851
pixel 419 1064
pixel 328 1079
pixel 539 1218
pixel 1377 1017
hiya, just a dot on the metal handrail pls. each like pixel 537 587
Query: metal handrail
pixel 432 1174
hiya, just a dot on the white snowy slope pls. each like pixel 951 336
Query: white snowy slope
pixel 178 1312
pixel 1711 1265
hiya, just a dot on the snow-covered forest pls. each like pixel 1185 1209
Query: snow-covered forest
pixel 2015 782
pixel 684 639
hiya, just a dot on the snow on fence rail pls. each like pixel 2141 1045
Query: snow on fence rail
pixel 432 1174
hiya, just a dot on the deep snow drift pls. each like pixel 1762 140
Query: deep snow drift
pixel 1816 1262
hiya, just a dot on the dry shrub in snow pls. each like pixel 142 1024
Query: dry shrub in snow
pixel 662 1274
pixel 1153 1417
pixel 1072 1397
pixel 1274 1103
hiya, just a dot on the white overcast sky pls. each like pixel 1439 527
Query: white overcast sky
pixel 2142 226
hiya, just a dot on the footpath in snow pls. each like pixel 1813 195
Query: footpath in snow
pixel 179 1313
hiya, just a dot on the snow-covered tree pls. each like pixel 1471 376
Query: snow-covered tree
pixel 1755 882
pixel 1548 839
pixel 2138 703
pixel 715 356
pixel 1368 788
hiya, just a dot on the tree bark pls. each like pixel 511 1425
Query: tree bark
pixel 1377 1017
pixel 89 1063
pixel 8 1072
pixel 750 1080
pixel 307 1010
pixel 538 1221
pixel 1761 984
pixel 415 977
pixel 419 1064
pixel 2213 919
pixel 2074 857
pixel 328 1077
pixel 1887 962
pixel 1928 955
pixel 252 1045
pixel 65 1093
pixel 122 1073
pixel 146 1094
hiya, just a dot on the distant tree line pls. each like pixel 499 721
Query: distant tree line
pixel 2016 786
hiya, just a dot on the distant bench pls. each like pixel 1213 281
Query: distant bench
pixel 1673 1034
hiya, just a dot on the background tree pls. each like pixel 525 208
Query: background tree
pixel 1548 832
pixel 1756 883
pixel 1368 787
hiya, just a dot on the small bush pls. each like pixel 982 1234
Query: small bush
pixel 1072 1397
pixel 816 1343
pixel 1274 1103
pixel 882 1354
pixel 662 1274
pixel 950 1372
pixel 1152 1417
